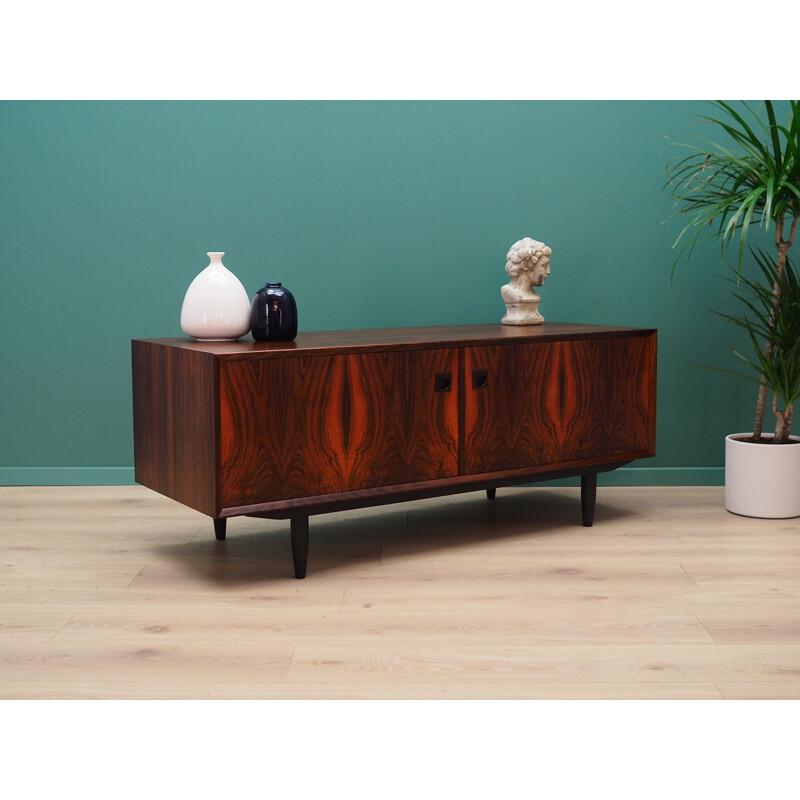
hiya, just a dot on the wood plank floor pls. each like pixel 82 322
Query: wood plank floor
pixel 117 592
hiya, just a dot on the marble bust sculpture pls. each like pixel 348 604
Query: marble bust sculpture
pixel 527 265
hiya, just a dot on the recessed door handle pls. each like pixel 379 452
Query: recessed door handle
pixel 480 378
pixel 443 382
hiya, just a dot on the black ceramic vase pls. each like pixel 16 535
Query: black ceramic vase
pixel 273 314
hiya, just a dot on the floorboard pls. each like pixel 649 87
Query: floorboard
pixel 117 592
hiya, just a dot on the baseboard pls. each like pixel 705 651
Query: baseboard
pixel 123 476
pixel 654 476
pixel 66 476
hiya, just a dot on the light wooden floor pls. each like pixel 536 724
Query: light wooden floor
pixel 117 592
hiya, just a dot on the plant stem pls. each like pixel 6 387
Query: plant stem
pixel 781 424
pixel 769 348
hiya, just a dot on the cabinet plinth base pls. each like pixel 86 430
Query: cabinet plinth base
pixel 300 521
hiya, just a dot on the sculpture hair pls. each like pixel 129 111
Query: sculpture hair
pixel 524 255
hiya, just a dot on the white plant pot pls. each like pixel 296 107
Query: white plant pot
pixel 762 480
pixel 216 307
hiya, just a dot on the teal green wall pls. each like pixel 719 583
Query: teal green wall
pixel 375 214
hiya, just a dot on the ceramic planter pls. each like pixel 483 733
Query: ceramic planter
pixel 762 480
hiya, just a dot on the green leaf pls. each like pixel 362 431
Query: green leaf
pixel 773 129
pixel 770 195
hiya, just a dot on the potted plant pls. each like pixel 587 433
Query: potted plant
pixel 723 190
pixel 765 481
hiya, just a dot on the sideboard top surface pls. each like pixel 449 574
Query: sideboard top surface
pixel 329 342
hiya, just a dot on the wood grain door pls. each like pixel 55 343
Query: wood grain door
pixel 553 403
pixel 306 426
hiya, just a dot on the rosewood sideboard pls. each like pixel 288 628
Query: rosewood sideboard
pixel 347 419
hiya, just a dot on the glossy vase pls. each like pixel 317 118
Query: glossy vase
pixel 216 307
pixel 273 314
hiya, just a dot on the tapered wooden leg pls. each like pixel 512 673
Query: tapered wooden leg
pixel 300 545
pixel 588 497
pixel 491 493
pixel 219 529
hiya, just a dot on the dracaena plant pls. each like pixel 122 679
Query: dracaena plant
pixel 723 189
pixel 764 321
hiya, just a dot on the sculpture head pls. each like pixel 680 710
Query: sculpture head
pixel 528 261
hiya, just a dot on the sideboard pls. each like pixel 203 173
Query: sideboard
pixel 347 419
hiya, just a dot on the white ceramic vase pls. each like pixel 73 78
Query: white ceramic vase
pixel 762 480
pixel 216 307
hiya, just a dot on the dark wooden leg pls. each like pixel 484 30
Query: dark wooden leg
pixel 219 529
pixel 491 493
pixel 588 497
pixel 300 545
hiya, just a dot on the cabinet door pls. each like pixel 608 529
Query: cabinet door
pixel 553 403
pixel 306 426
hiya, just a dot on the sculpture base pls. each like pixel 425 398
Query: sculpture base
pixel 522 314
